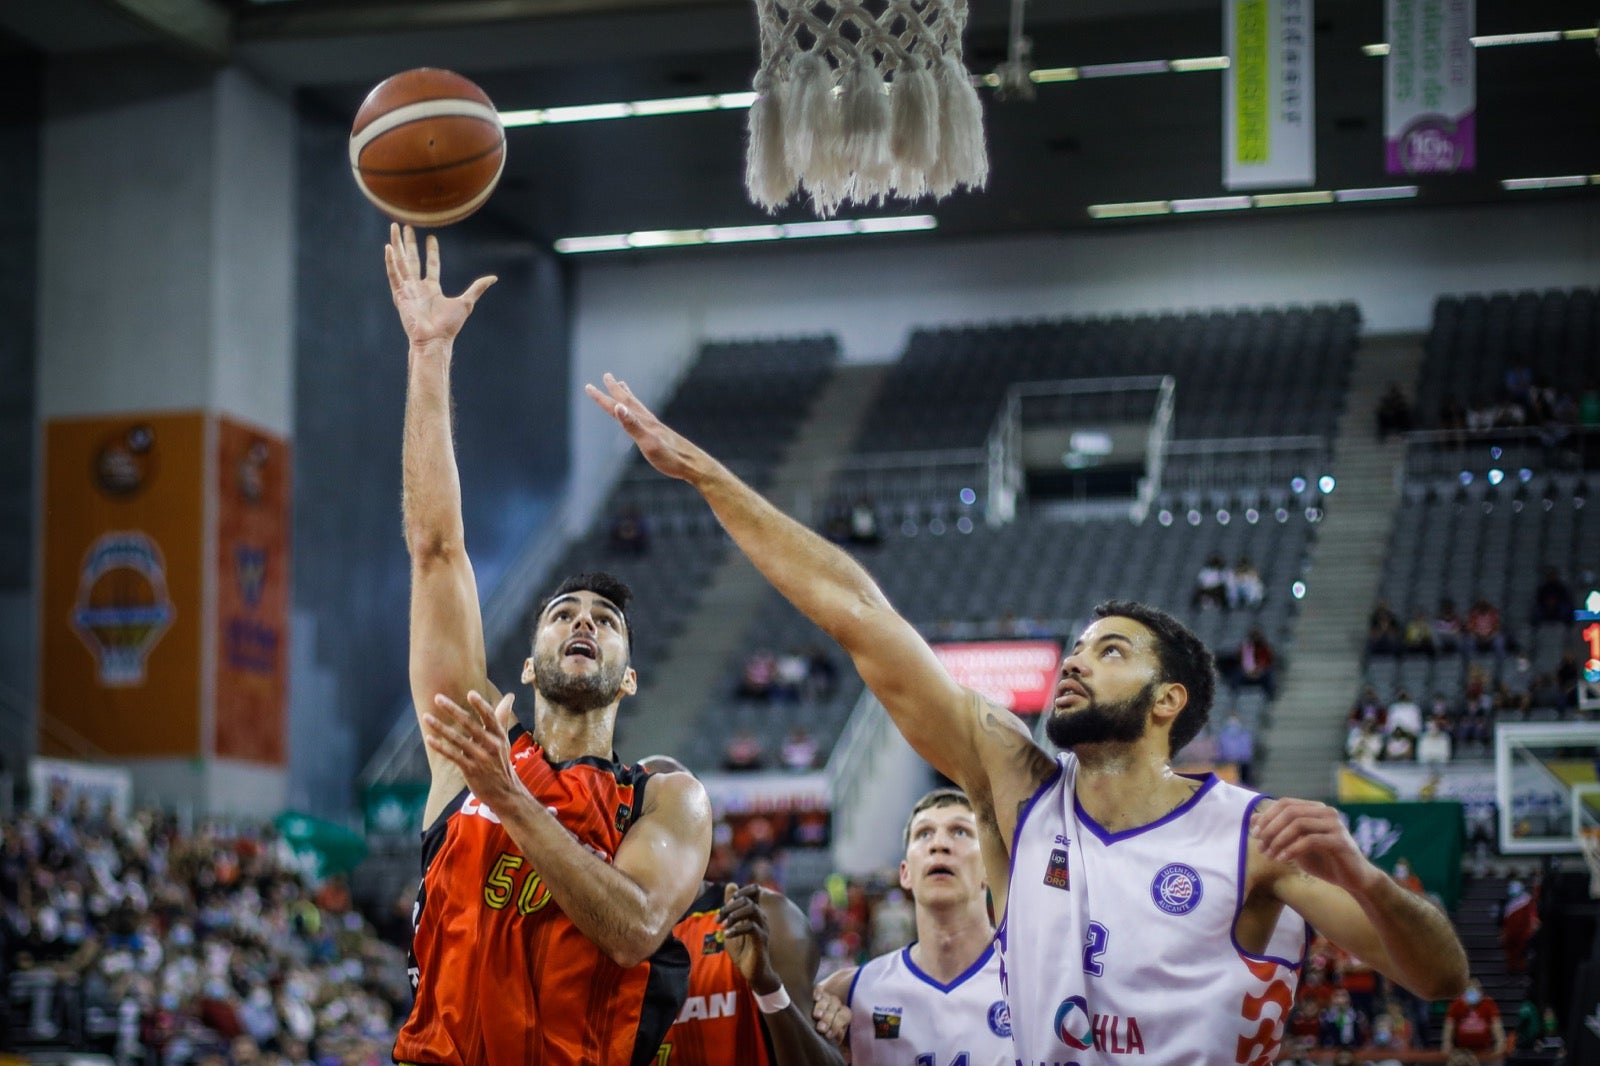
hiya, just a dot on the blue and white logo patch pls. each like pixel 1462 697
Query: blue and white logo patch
pixel 1176 888
pixel 1000 1018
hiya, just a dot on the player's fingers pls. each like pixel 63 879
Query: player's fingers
pixel 505 715
pixel 391 269
pixel 410 236
pixel 607 404
pixel 728 891
pixel 433 257
pixel 477 289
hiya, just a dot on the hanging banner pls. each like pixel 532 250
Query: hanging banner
pixel 120 623
pixel 1430 87
pixel 1268 103
pixel 252 583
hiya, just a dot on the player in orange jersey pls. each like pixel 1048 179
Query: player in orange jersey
pixel 552 874
pixel 752 962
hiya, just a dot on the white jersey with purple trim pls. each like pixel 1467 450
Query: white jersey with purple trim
pixel 1119 947
pixel 899 1016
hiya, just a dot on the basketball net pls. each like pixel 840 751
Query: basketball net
pixel 1589 840
pixel 858 100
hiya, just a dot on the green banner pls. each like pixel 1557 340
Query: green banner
pixel 395 808
pixel 323 848
pixel 1429 836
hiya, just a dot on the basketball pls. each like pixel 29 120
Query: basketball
pixel 427 147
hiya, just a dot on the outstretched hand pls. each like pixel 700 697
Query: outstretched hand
pixel 1312 836
pixel 474 738
pixel 831 1015
pixel 667 451
pixel 427 314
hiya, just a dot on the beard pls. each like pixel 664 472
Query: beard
pixel 577 693
pixel 1121 722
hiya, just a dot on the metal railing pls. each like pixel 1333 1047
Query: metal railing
pixel 1199 467
pixel 1444 455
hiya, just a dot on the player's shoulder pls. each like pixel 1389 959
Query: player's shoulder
pixel 675 794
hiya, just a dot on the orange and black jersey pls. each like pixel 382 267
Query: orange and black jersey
pixel 719 1024
pixel 502 976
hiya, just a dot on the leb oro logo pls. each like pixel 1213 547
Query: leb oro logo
pixel 122 608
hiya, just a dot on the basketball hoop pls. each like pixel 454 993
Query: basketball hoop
pixel 859 100
pixel 1589 841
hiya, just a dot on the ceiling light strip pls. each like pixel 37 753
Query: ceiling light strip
pixel 1563 181
pixel 1197 205
pixel 1500 40
pixel 685 105
pixel 680 238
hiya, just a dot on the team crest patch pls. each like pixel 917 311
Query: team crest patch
pixel 1000 1018
pixel 1057 874
pixel 886 1023
pixel 1176 888
pixel 712 944
pixel 624 812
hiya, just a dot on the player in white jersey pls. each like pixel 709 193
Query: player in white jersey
pixel 936 1002
pixel 1133 690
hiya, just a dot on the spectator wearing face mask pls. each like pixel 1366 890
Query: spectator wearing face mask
pixel 1473 1024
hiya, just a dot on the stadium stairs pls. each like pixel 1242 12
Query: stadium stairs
pixel 685 681
pixel 1345 569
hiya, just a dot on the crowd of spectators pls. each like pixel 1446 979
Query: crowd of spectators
pixel 165 947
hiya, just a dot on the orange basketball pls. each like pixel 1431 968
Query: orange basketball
pixel 427 147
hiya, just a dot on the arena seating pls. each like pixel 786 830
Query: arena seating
pixel 1476 339
pixel 744 401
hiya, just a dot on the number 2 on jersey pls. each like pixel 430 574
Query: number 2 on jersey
pixel 1094 946
pixel 927 1059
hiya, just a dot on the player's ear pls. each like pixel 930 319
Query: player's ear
pixel 527 670
pixel 630 682
pixel 905 876
pixel 1171 699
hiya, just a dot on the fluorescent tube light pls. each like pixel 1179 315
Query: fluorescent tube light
pixel 1381 192
pixel 1210 203
pixel 1565 181
pixel 1293 199
pixel 1130 210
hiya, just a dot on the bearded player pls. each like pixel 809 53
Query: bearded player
pixel 1146 912
pixel 552 874
pixel 939 999
pixel 752 960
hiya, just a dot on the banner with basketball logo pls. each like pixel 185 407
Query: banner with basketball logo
pixel 165 596
pixel 1017 674
pixel 121 625
pixel 252 582
pixel 1268 98
pixel 1430 87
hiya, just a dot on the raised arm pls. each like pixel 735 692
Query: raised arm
pixel 447 653
pixel 1303 855
pixel 627 906
pixel 770 942
pixel 987 751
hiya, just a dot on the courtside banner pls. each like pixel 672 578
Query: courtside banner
pixel 1430 84
pixel 1019 674
pixel 1268 103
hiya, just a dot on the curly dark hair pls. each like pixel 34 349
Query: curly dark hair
pixel 598 582
pixel 1184 659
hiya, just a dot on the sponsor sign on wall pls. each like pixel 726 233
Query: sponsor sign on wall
pixel 1019 674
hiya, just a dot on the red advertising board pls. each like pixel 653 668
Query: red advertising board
pixel 1019 674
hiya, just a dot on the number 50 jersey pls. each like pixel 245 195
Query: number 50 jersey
pixel 502 976
pixel 1120 947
